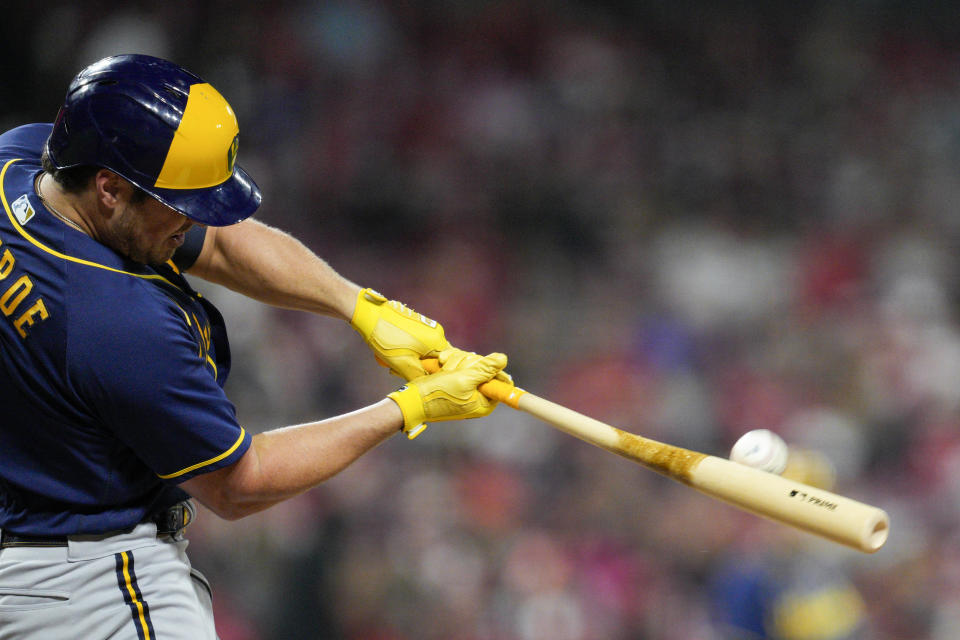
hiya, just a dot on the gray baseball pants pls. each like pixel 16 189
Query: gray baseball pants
pixel 131 586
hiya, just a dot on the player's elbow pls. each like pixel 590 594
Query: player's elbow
pixel 228 503
pixel 232 492
pixel 230 510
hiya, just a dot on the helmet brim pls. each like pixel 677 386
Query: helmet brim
pixel 224 204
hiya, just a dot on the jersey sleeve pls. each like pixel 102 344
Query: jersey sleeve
pixel 147 380
pixel 189 251
pixel 25 140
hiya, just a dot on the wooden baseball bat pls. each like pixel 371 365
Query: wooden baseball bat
pixel 834 517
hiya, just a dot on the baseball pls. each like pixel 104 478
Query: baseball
pixel 761 449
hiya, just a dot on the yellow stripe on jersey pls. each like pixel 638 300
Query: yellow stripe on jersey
pixel 205 463
pixel 212 364
pixel 62 256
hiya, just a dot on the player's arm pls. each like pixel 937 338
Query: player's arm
pixel 271 266
pixel 283 463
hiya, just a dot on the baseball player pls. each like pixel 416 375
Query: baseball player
pixel 112 367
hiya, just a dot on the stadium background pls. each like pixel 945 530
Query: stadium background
pixel 683 219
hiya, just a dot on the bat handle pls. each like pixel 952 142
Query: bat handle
pixel 493 389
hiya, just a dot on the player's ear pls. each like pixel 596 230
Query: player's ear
pixel 110 187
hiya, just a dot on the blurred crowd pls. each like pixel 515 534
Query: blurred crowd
pixel 685 219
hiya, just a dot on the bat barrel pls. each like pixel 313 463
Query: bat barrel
pixel 835 517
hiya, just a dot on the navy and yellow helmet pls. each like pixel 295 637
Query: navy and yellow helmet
pixel 163 129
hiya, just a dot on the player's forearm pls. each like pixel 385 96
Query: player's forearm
pixel 283 463
pixel 271 266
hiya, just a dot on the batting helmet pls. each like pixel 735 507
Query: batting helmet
pixel 163 129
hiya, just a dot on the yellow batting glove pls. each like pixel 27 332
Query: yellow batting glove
pixel 398 335
pixel 449 394
pixel 454 358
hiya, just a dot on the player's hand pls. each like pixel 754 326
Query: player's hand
pixel 451 393
pixel 398 335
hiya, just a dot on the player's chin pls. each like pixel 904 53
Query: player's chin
pixel 160 255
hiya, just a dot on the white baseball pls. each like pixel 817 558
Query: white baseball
pixel 761 449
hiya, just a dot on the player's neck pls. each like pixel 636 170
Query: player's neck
pixel 63 205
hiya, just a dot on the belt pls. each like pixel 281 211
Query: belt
pixel 169 522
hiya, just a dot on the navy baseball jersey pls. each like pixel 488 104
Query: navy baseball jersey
pixel 111 372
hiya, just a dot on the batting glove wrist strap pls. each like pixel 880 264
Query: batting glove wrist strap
pixel 411 405
pixel 398 335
